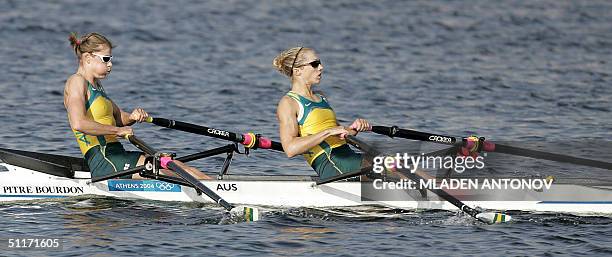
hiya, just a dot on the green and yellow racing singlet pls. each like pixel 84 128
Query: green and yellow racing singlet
pixel 313 118
pixel 99 109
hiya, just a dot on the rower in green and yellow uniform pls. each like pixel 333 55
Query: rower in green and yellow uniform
pixel 95 119
pixel 308 124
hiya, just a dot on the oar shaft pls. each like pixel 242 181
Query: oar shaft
pixel 141 145
pixel 181 173
pixel 414 177
pixel 198 185
pixel 246 139
pixel 197 129
pixel 551 156
pixel 414 135
pixel 489 146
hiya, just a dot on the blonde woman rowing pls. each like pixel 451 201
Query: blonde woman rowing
pixel 308 124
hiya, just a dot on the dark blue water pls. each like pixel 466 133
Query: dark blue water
pixel 515 70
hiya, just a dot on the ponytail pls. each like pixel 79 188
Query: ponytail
pixel 89 43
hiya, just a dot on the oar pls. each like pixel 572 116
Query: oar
pixel 486 217
pixel 250 213
pixel 488 146
pixel 249 140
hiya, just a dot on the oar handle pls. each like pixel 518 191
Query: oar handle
pixel 249 140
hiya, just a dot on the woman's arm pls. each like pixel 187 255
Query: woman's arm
pixel 293 144
pixel 127 119
pixel 75 94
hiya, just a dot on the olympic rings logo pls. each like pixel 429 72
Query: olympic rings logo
pixel 164 186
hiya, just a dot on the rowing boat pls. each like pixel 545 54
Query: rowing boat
pixel 30 175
